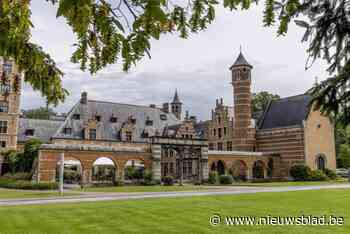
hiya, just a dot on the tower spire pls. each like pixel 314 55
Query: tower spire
pixel 176 97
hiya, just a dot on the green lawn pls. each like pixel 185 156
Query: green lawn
pixel 139 188
pixel 18 194
pixel 293 183
pixel 179 215
pixel 158 188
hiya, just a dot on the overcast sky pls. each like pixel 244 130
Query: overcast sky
pixel 197 67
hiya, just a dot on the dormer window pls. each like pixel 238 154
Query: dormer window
pixel 98 118
pixel 163 117
pixel 29 132
pixel 113 119
pixel 92 134
pixel 149 122
pixel 76 116
pixel 67 131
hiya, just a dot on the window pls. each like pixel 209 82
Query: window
pixel 214 132
pixel 128 136
pixel 225 131
pixel 149 122
pixel 4 88
pixel 229 146
pixel 163 117
pixel 3 144
pixel 67 131
pixel 7 67
pixel 76 116
pixel 219 119
pixel 171 168
pixel 220 132
pixel 321 163
pixel 92 134
pixel 211 146
pixel 29 132
pixel 4 107
pixel 3 126
pixel 98 118
pixel 113 119
pixel 220 146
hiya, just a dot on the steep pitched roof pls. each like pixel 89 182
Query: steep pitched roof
pixel 176 98
pixel 43 129
pixel 241 61
pixel 109 130
pixel 286 112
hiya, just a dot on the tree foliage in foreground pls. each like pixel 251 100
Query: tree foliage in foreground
pixel 120 31
pixel 261 100
pixel 39 113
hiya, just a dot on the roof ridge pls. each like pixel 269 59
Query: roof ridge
pixel 126 104
pixel 48 120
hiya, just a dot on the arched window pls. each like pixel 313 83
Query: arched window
pixel 321 162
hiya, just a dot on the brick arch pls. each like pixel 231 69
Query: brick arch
pixel 240 172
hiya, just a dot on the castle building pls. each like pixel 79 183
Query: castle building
pixel 235 140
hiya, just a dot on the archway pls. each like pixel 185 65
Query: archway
pixel 104 171
pixel 270 167
pixel 239 170
pixel 221 167
pixel 258 170
pixel 73 171
pixel 213 167
pixel 321 162
pixel 134 169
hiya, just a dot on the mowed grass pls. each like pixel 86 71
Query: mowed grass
pixel 159 188
pixel 140 188
pixel 179 215
pixel 6 194
pixel 294 183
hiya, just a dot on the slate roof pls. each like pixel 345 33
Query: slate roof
pixel 176 98
pixel 241 61
pixel 286 112
pixel 111 131
pixel 43 129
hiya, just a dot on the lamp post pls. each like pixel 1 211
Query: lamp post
pixel 61 172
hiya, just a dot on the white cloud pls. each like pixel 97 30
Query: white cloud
pixel 198 67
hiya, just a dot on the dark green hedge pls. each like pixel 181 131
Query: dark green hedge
pixel 27 185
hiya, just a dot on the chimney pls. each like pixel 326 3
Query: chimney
pixel 166 107
pixel 221 101
pixel 83 99
pixel 217 102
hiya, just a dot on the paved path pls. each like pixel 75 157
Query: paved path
pixel 126 196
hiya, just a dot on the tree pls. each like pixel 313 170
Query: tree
pixel 342 145
pixel 261 100
pixel 110 31
pixel 39 113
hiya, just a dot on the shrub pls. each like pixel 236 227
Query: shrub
pixel 300 172
pixel 226 179
pixel 71 176
pixel 213 177
pixel 318 175
pixel 330 174
pixel 148 178
pixel 27 185
pixel 168 180
pixel 18 176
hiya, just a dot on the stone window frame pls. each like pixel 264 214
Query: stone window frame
pixel 92 133
pixel 323 156
pixel 67 131
pixel 3 144
pixel 3 126
pixel 4 107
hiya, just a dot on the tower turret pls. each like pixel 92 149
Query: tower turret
pixel 176 106
pixel 243 132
